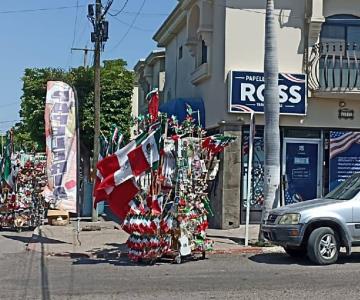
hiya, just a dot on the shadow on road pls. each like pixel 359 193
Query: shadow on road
pixel 34 239
pixel 236 240
pixel 116 254
pixel 284 259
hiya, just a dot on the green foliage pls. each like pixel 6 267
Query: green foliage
pixel 23 141
pixel 116 92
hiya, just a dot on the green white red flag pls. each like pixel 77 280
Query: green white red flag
pixel 217 143
pixel 120 169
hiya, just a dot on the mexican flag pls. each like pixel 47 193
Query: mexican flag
pixel 99 177
pixel 153 104
pixel 217 143
pixel 119 198
pixel 116 139
pixel 7 171
pixel 139 156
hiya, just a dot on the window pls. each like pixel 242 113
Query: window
pixel 203 52
pixel 341 29
pixel 339 52
pixel 180 52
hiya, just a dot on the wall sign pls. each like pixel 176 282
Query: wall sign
pixel 247 89
pixel 344 156
pixel 346 114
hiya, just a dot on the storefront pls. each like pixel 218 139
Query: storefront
pixel 314 160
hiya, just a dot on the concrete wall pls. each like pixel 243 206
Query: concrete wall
pixel 178 71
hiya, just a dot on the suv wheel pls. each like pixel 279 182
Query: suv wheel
pixel 323 246
pixel 295 251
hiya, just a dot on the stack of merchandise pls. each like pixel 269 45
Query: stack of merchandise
pixel 157 186
pixel 22 205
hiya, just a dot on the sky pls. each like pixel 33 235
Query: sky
pixel 44 38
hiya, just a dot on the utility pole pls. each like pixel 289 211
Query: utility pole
pixel 98 37
pixel 86 50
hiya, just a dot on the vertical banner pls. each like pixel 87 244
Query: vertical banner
pixel 61 146
pixel 344 155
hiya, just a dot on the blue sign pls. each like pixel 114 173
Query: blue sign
pixel 344 154
pixel 247 91
pixel 301 172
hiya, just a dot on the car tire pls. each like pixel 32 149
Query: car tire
pixel 323 246
pixel 295 252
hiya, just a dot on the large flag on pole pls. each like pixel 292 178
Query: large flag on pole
pixel 61 146
pixel 153 104
pixel 7 170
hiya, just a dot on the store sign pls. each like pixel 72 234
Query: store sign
pixel 344 154
pixel 346 114
pixel 246 89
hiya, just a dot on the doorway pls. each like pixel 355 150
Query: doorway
pixel 302 170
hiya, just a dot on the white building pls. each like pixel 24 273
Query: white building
pixel 213 48
pixel 150 74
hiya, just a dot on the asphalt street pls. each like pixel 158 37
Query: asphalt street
pixel 31 275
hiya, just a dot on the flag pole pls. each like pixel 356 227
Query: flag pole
pixel 249 176
pixel 77 130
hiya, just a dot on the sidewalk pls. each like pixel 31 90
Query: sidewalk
pixel 105 239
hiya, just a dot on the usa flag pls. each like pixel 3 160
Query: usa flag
pixel 340 141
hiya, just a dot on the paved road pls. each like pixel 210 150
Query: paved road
pixel 30 275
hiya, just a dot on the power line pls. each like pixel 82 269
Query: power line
pixel 10 121
pixel 121 9
pixel 130 27
pixel 69 61
pixel 9 104
pixel 38 9
pixel 134 27
pixel 75 23
pixel 144 13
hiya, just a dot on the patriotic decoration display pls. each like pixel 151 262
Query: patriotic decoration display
pixel 344 149
pixel 21 202
pixel 157 186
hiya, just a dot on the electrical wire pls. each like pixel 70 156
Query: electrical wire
pixel 134 27
pixel 75 23
pixel 130 27
pixel 121 9
pixel 69 60
pixel 38 9
pixel 144 13
pixel 10 121
pixel 9 104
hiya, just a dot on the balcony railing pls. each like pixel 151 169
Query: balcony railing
pixel 334 66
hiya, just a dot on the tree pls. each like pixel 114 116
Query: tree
pixel 117 88
pixel 271 111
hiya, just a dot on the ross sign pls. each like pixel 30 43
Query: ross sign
pixel 344 156
pixel 61 140
pixel 247 89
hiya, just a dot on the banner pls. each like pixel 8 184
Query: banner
pixel 344 156
pixel 247 89
pixel 60 131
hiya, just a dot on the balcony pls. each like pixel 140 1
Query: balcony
pixel 334 67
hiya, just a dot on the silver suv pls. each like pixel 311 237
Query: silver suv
pixel 318 227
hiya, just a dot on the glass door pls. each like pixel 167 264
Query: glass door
pixel 302 169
